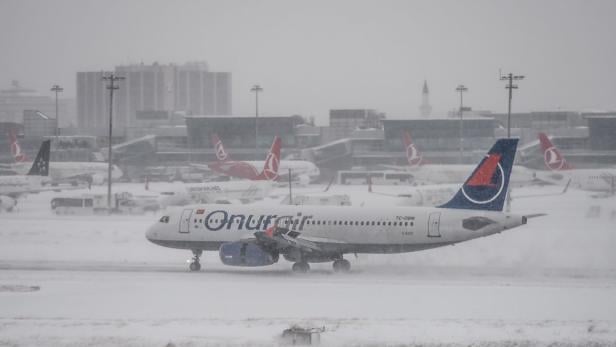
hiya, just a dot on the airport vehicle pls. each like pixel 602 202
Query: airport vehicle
pixel 560 172
pixel 87 204
pixel 247 235
pixel 426 173
pixel 14 186
pixel 302 170
pixel 63 171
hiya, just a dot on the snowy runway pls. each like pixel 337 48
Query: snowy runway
pixel 99 282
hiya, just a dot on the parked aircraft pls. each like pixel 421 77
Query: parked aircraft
pixel 63 171
pixel 247 235
pixel 305 171
pixel 426 173
pixel 14 186
pixel 239 192
pixel 561 172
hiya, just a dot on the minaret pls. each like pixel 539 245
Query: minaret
pixel 425 109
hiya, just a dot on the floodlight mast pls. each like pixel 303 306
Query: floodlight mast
pixel 461 89
pixel 112 78
pixel 510 78
pixel 256 89
pixel 57 89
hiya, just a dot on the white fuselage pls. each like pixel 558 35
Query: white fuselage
pixel 15 185
pixel 298 168
pixel 596 180
pixel 241 190
pixel 339 229
pixel 69 169
pixel 458 173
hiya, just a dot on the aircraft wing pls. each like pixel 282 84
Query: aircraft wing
pixel 202 167
pixel 284 240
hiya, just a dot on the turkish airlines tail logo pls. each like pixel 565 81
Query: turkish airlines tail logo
pixel 272 162
pixel 221 154
pixel 552 157
pixel 413 156
pixel 18 155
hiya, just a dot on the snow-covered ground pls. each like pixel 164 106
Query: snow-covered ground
pixel 95 280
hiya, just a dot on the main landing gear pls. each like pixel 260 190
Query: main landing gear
pixel 341 265
pixel 194 264
pixel 301 267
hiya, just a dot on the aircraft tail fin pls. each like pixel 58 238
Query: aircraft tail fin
pixel 272 162
pixel 552 157
pixel 16 152
pixel 40 165
pixel 413 157
pixel 221 154
pixel 486 188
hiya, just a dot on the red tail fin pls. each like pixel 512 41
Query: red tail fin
pixel 272 162
pixel 413 156
pixel 221 154
pixel 552 157
pixel 18 155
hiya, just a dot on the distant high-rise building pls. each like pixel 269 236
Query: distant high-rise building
pixel 146 88
pixel 150 94
pixel 92 100
pixel 425 109
pixel 202 92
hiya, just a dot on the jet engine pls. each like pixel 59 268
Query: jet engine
pixel 245 254
pixel 7 203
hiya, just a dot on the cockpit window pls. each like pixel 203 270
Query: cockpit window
pixel 164 219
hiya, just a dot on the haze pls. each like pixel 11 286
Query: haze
pixel 311 56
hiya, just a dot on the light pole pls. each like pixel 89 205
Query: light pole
pixel 57 89
pixel 112 78
pixel 510 78
pixel 256 89
pixel 461 89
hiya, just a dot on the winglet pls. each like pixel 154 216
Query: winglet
pixel 413 156
pixel 40 165
pixel 272 162
pixel 552 157
pixel 486 188
pixel 221 154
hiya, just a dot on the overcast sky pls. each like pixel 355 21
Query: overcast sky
pixel 311 56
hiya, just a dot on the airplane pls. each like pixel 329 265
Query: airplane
pixel 14 186
pixel 63 171
pixel 426 173
pixel 247 235
pixel 560 171
pixel 241 192
pixel 303 170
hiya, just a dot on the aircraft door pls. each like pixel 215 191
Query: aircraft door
pixel 185 221
pixel 434 221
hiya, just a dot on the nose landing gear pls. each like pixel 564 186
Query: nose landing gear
pixel 194 264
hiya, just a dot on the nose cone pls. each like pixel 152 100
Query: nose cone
pixel 152 234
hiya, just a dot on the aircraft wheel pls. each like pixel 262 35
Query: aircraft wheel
pixel 342 265
pixel 301 267
pixel 194 266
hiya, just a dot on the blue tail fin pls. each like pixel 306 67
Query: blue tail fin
pixel 40 165
pixel 486 188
